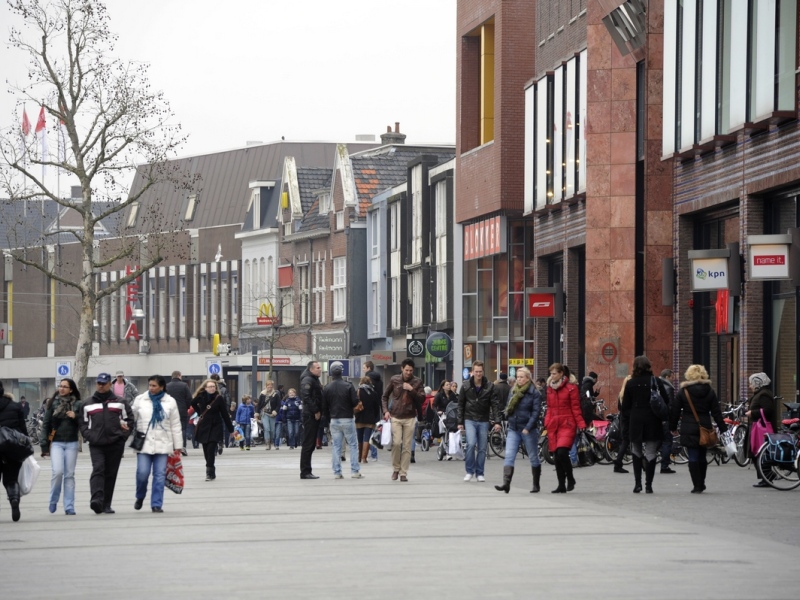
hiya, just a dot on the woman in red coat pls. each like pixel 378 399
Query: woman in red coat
pixel 562 420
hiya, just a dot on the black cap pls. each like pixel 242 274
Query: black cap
pixel 104 378
pixel 503 376
pixel 336 369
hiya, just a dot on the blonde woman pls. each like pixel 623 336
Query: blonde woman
pixel 210 405
pixel 269 403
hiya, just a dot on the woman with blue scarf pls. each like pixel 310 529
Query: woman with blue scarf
pixel 157 416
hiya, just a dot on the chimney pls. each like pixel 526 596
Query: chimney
pixel 393 137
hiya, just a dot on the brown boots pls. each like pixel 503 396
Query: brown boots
pixel 364 452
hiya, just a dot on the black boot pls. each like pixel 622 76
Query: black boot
pixel 702 467
pixel 561 475
pixel 13 499
pixel 568 472
pixel 537 473
pixel 650 472
pixel 508 473
pixel 694 473
pixel 637 474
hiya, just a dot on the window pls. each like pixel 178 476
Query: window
pixel 339 220
pixel 415 297
pixel 287 307
pixel 416 215
pixel 255 204
pixel 339 288
pixel 234 302
pixel 395 292
pixel 303 284
pixel 203 291
pixel 133 214
pixel 374 231
pixel 375 308
pixel 191 207
pixel 442 299
pixel 224 302
pixel 182 303
pixel 319 290
pixel 394 225
pixel 287 228
pixel 214 301
pixel 324 203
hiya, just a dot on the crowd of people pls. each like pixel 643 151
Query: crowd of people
pixel 168 414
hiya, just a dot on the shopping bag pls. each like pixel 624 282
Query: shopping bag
pixel 28 474
pixel 727 441
pixel 454 448
pixel 758 430
pixel 238 433
pixel 386 435
pixel 14 446
pixel 174 473
pixel 375 438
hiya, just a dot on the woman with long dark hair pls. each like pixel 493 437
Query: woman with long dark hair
pixel 644 426
pixel 59 441
pixel 157 416
pixel 562 421
pixel 210 405
pixel 11 416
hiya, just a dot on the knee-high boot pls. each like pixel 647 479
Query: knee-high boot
pixel 650 472
pixel 13 499
pixel 537 473
pixel 364 451
pixel 508 473
pixel 702 467
pixel 637 474
pixel 695 475
pixel 568 473
pixel 561 473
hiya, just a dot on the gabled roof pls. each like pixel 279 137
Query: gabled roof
pixel 224 177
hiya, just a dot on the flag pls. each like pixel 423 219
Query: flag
pixel 26 130
pixel 41 133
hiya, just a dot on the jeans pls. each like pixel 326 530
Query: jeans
pixel 292 427
pixel 63 456
pixel 477 440
pixel 695 454
pixel 158 464
pixel 344 429
pixel 278 433
pixel 246 429
pixel 573 452
pixel 269 429
pixel 666 446
pixel 514 439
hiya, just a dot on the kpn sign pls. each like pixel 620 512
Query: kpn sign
pixel 710 269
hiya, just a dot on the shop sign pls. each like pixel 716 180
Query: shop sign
pixel 469 355
pixel 330 346
pixel 439 344
pixel 276 360
pixel 485 238
pixel 382 357
pixel 520 362
pixel 769 261
pixel 266 314
pixel 541 305
pixel 415 348
pixel 709 274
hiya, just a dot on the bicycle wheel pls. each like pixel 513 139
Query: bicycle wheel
pixel 739 438
pixel 781 476
pixel 426 444
pixel 497 442
pixel 599 451
pixel 544 451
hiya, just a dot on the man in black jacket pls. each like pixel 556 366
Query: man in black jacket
pixel 666 447
pixel 502 387
pixel 339 399
pixel 311 397
pixel 178 389
pixel 105 422
pixel 477 406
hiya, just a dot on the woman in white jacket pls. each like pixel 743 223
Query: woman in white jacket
pixel 157 416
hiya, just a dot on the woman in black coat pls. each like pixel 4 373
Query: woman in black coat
pixel 706 404
pixel 369 414
pixel 11 416
pixel 210 405
pixel 763 400
pixel 644 427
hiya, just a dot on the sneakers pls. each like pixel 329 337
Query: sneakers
pixel 338 476
pixel 356 476
pixel 247 448
pixel 481 478
pixel 69 512
pixel 468 477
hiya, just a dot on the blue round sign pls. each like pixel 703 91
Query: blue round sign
pixel 214 369
pixel 63 370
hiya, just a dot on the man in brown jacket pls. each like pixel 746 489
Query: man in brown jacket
pixel 402 399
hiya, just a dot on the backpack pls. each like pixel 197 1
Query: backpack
pixel 657 404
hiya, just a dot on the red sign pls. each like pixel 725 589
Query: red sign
pixel 542 305
pixel 769 259
pixel 721 307
pixel 485 238
pixel 276 360
pixel 608 352
pixel 267 320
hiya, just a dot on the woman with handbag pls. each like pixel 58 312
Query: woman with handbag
pixel 269 405
pixel 562 420
pixel 210 405
pixel 644 426
pixel 157 417
pixel 366 418
pixel 11 416
pixel 59 441
pixel 695 406
pixel 761 415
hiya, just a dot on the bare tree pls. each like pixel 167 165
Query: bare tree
pixel 110 120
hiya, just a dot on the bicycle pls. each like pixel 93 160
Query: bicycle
pixel 778 459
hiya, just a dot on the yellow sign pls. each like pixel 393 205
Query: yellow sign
pixel 519 362
pixel 266 310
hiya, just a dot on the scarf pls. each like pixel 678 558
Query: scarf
pixel 63 406
pixel 158 410
pixel 516 395
pixel 555 384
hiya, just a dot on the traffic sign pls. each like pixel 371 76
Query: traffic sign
pixel 213 367
pixel 64 369
pixel 608 352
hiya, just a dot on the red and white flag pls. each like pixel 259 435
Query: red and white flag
pixel 41 133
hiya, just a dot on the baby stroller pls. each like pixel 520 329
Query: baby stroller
pixel 448 424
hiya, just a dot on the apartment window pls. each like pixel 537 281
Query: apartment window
pixel 287 228
pixel 324 203
pixel 442 300
pixel 339 288
pixel 374 231
pixel 375 308
pixel 224 303
pixel 319 290
pixel 394 225
pixel 415 297
pixel 255 205
pixel 287 307
pixel 416 215
pixel 133 214
pixel 151 304
pixel 234 302
pixel 305 294
pixel 182 304
pixel 203 298
pixel 214 301
pixel 339 220
pixel 395 299
pixel 191 207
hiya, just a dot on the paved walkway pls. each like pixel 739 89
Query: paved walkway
pixel 259 531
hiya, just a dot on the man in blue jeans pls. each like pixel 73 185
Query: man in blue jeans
pixel 339 400
pixel 478 404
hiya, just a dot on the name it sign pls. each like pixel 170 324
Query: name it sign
pixel 485 238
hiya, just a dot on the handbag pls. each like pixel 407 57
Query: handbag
pixel 14 446
pixel 708 437
pixel 657 404
pixel 28 474
pixel 137 442
pixel 174 476
pixel 760 428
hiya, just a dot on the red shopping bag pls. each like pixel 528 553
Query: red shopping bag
pixel 174 473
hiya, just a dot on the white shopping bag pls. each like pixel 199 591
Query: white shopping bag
pixel 730 445
pixel 28 474
pixel 386 435
pixel 454 445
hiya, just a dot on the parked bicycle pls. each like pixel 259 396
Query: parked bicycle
pixel 778 458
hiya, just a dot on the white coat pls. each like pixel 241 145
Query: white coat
pixel 164 437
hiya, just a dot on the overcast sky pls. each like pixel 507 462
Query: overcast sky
pixel 244 70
